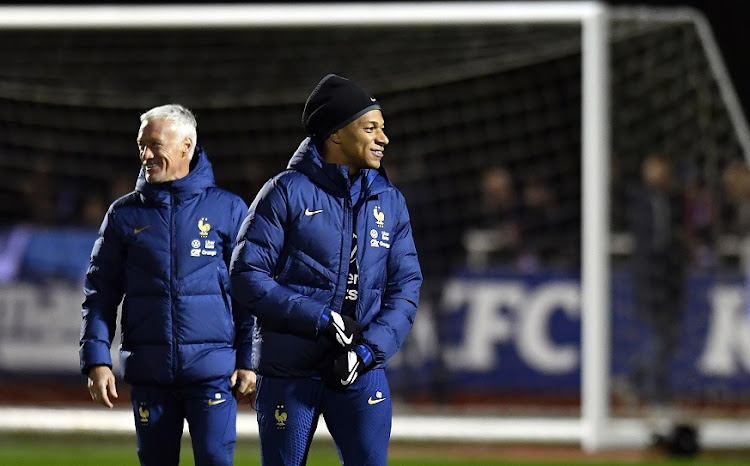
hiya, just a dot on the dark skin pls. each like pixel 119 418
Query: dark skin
pixel 358 145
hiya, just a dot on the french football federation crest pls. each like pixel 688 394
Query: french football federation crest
pixel 379 216
pixel 204 227
pixel 143 414
pixel 280 416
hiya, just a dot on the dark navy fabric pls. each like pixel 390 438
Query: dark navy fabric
pixel 166 249
pixel 288 417
pixel 290 266
pixel 160 414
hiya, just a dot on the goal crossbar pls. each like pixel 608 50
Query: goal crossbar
pixel 226 15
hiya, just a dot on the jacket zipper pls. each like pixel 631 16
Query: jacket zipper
pixel 172 283
pixel 345 252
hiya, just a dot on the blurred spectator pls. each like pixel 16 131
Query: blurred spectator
pixel 527 233
pixel 700 218
pixel 496 239
pixel 500 207
pixel 659 276
pixel 736 181
pixel 548 236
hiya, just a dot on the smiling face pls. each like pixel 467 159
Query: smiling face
pixel 164 152
pixel 359 144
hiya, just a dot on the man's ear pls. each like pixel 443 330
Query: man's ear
pixel 187 144
pixel 335 137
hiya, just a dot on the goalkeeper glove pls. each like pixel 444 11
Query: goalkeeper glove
pixel 343 370
pixel 344 330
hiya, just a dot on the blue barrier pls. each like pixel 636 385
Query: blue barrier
pixel 518 333
pixel 59 253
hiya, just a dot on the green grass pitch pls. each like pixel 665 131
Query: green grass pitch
pixel 35 449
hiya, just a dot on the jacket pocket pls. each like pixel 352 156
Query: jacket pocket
pixel 303 270
pixel 371 301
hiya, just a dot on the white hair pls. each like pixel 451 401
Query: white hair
pixel 181 116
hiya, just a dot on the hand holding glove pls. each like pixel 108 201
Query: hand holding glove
pixel 344 330
pixel 343 370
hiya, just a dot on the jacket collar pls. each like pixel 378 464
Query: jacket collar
pixel 200 177
pixel 307 160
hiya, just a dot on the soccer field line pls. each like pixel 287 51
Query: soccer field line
pixel 625 432
pixel 405 427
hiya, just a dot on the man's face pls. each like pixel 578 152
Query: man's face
pixel 363 141
pixel 163 152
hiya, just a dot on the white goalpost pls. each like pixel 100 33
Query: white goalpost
pixel 596 428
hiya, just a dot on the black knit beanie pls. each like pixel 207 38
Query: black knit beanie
pixel 334 103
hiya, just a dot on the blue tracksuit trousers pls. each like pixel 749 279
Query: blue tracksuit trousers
pixel 160 414
pixel 359 418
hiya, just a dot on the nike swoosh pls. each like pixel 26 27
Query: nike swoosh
pixel 370 401
pixel 138 230
pixel 352 376
pixel 216 402
pixel 309 212
pixel 342 335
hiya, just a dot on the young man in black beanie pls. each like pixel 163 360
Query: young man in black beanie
pixel 326 262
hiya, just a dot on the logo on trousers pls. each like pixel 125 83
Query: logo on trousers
pixel 378 398
pixel 280 416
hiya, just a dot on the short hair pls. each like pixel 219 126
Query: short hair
pixel 181 116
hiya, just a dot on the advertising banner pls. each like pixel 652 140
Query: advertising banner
pixel 484 333
pixel 505 333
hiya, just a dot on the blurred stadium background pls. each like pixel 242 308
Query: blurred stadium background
pixel 485 128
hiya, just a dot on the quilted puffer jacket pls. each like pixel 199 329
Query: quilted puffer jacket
pixel 291 263
pixel 164 251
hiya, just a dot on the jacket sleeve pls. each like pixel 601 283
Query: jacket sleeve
pixel 103 292
pixel 254 263
pixel 385 334
pixel 243 319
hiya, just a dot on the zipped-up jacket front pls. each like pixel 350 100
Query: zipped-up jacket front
pixel 291 263
pixel 165 248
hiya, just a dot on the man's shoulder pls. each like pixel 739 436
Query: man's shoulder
pixel 287 178
pixel 130 199
pixel 290 175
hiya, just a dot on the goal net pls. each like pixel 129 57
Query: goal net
pixel 520 134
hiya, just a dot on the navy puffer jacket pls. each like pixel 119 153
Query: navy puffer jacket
pixel 166 249
pixel 290 265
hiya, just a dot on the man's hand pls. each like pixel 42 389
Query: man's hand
pixel 343 371
pixel 243 382
pixel 102 385
pixel 344 330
